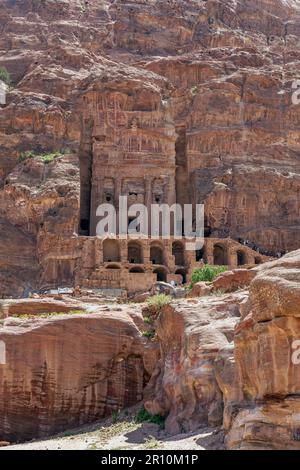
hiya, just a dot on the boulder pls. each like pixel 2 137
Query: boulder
pixel 260 380
pixel 183 386
pixel 229 281
pixel 66 370
pixel 200 289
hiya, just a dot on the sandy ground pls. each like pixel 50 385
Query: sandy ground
pixel 124 433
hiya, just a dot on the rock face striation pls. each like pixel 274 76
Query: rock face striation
pixel 183 386
pixel 259 378
pixel 179 100
pixel 234 360
pixel 69 369
pixel 224 359
pixel 187 99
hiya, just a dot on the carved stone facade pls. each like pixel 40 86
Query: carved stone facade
pixel 134 264
pixel 129 151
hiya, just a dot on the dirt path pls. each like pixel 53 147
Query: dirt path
pixel 124 433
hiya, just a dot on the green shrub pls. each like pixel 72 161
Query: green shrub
pixel 5 75
pixel 25 155
pixel 144 417
pixel 149 334
pixel 158 301
pixel 44 157
pixel 28 316
pixel 49 157
pixel 207 273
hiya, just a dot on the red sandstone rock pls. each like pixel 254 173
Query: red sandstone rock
pixel 200 289
pixel 66 370
pixel 183 386
pixel 180 100
pixel 192 94
pixel 259 379
pixel 230 281
pixel 33 307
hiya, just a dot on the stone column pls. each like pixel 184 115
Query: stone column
pixel 148 200
pixel 118 193
pixel 123 251
pixel 96 200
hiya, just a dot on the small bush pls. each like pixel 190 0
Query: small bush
pixel 26 155
pixel 149 334
pixel 115 416
pixel 144 417
pixel 207 273
pixel 49 157
pixel 158 301
pixel 28 316
pixel 45 157
pixel 5 76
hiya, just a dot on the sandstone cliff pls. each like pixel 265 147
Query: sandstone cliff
pixel 260 376
pixel 213 81
pixel 183 386
pixel 226 360
pixel 63 370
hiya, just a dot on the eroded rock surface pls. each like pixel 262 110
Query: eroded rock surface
pixel 183 387
pixel 260 376
pixel 206 84
pixel 63 370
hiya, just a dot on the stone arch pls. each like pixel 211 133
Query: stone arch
pixel 178 253
pixel 182 273
pixel 135 252
pixel 200 254
pixel 241 258
pixel 161 274
pixel 220 255
pixel 113 266
pixel 136 270
pixel 156 254
pixel 111 250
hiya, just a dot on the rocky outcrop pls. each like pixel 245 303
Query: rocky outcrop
pixel 259 378
pixel 200 289
pixel 38 200
pixel 230 281
pixel 208 83
pixel 32 307
pixel 183 386
pixel 64 370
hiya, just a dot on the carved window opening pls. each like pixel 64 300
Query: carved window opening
pixel 241 258
pixel 111 251
pixel 135 253
pixel 84 225
pixel 220 255
pixel 156 254
pixel 136 270
pixel 161 274
pixel 200 254
pixel 178 253
pixel 182 273
pixel 113 266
